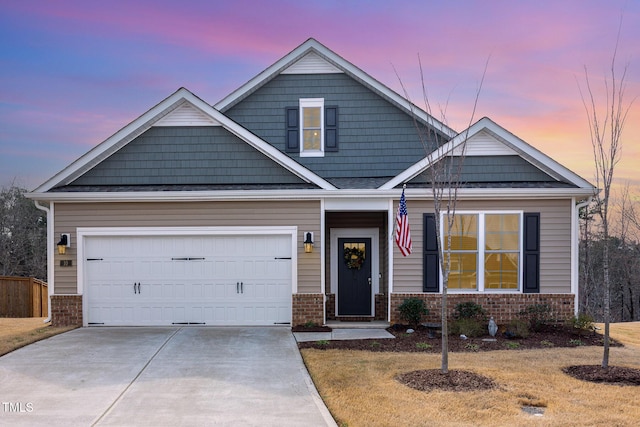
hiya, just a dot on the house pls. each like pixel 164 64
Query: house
pixel 277 205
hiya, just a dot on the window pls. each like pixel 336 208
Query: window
pixel 485 251
pixel 312 127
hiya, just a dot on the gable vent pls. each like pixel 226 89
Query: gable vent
pixel 186 115
pixel 483 144
pixel 311 63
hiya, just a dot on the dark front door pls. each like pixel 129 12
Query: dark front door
pixel 354 277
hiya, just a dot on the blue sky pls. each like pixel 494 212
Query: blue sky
pixel 72 73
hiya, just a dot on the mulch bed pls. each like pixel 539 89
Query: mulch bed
pixel 424 340
pixel 455 380
pixel 617 375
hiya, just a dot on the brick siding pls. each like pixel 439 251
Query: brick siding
pixel 307 308
pixel 66 310
pixel 503 307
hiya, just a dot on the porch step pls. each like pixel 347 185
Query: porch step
pixel 376 324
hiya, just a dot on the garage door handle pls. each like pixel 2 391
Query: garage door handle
pixel 237 287
pixel 134 288
pixel 241 288
pixel 139 288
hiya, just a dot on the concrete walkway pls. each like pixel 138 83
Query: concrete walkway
pixel 343 334
pixel 164 376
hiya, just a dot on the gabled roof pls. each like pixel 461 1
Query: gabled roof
pixel 335 62
pixel 512 144
pixel 155 115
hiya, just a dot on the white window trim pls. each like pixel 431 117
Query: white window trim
pixel 306 103
pixel 481 253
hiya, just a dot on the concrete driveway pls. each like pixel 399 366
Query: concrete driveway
pixel 161 376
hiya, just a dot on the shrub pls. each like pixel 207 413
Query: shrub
pixel 517 328
pixel 537 316
pixel 468 327
pixel 582 323
pixel 470 310
pixel 472 347
pixel 511 345
pixel 412 310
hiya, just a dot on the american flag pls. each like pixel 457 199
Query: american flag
pixel 403 234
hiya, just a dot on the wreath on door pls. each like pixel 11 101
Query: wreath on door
pixel 354 257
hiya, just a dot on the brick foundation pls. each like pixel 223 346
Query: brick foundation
pixel 307 308
pixel 503 307
pixel 66 310
pixel 380 310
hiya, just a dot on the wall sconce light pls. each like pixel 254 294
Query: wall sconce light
pixel 308 242
pixel 64 243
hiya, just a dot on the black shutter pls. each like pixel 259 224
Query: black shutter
pixel 431 264
pixel 531 242
pixel 292 130
pixel 331 129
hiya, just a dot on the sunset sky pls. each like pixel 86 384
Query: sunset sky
pixel 72 73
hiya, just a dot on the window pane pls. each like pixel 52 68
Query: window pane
pixel 311 140
pixel 464 233
pixel 311 117
pixel 463 273
pixel 501 271
pixel 502 232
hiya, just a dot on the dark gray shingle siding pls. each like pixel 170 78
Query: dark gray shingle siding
pixel 376 139
pixel 495 171
pixel 187 156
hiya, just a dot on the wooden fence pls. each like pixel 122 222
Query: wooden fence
pixel 23 297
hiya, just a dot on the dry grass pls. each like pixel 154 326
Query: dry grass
pixel 18 332
pixel 359 388
pixel 628 332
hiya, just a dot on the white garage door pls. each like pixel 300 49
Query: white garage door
pixel 164 280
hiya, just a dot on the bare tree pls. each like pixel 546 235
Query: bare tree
pixel 444 173
pixel 605 128
pixel 23 235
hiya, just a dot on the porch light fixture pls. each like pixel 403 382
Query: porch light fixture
pixel 308 242
pixel 64 243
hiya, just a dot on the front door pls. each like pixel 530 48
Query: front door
pixel 354 277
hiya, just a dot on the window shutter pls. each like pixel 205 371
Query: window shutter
pixel 431 264
pixel 292 130
pixel 331 129
pixel 531 242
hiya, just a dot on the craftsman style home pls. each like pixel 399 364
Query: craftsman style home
pixel 278 204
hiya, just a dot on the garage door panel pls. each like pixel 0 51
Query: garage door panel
pixel 223 280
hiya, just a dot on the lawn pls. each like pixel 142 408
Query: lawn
pixel 18 332
pixel 360 389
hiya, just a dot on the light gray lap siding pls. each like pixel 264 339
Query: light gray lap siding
pixel 555 242
pixel 303 214
pixel 375 138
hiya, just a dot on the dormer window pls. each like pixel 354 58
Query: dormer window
pixel 312 128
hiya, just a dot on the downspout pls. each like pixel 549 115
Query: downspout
pixel 50 284
pixel 575 242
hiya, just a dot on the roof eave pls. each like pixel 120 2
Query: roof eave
pixel 315 194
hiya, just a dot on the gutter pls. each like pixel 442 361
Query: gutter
pixel 261 195
pixel 50 284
